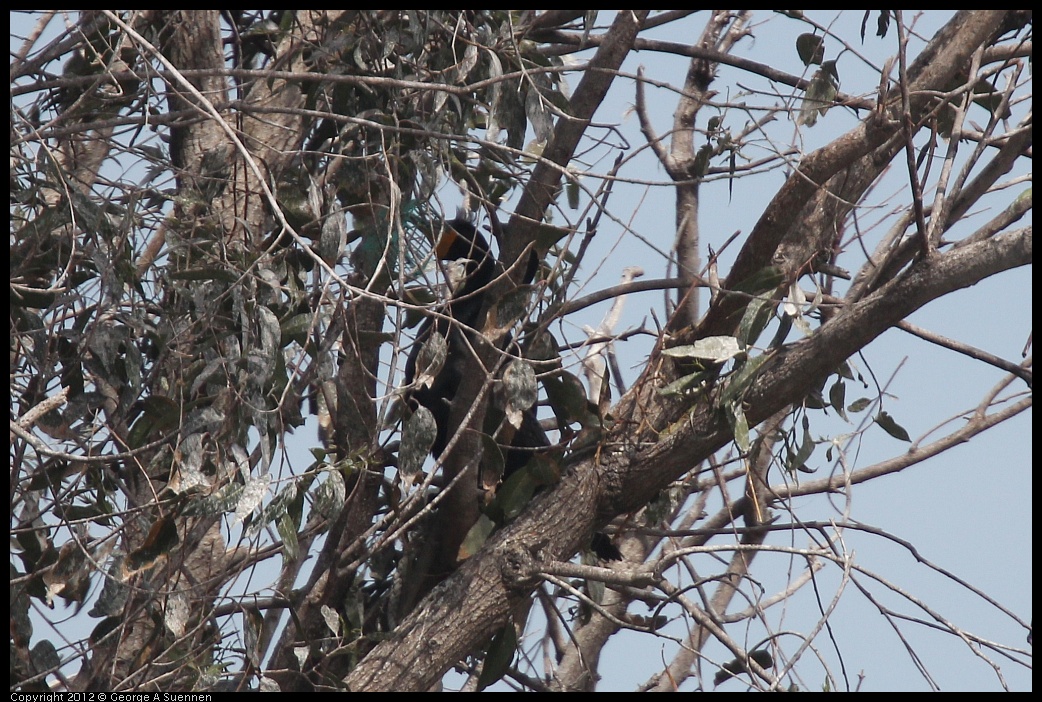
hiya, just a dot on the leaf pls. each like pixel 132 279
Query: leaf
pixel 288 531
pixel 430 359
pixel 512 496
pixel 740 426
pixel 837 394
pixel 713 348
pixel 251 497
pixel 568 399
pixel 741 380
pixel 823 88
pixel 891 427
pixel 330 495
pixel 159 417
pixel 548 236
pixel 540 119
pixel 572 191
pixel 498 657
pixel 798 461
pixel 811 48
pixel 684 384
pixel 332 619
pixel 507 310
pixel 476 537
pixel 492 462
pixel 785 323
pixel 520 390
pixel 859 405
pixel 754 320
pixel 418 436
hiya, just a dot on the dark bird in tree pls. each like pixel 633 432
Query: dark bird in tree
pixel 461 241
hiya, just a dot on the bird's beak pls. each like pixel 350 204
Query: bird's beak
pixel 445 241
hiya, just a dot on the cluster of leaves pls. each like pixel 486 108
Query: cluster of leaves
pixel 220 350
pixel 169 329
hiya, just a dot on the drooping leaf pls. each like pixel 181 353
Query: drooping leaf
pixel 418 436
pixel 684 384
pixel 755 319
pixel 430 359
pixel 823 88
pixel 891 427
pixel 798 460
pixel 811 48
pixel 251 497
pixel 568 398
pixel 741 380
pixel 520 390
pixel 492 462
pixel 837 395
pixel 498 657
pixel 740 426
pixel 572 191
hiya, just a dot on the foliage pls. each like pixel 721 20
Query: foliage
pixel 221 227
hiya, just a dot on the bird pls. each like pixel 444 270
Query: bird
pixel 460 240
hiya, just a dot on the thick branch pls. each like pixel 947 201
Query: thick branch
pixel 478 599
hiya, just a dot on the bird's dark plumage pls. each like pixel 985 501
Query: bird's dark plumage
pixel 460 239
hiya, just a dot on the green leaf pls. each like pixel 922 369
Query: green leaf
pixel 572 190
pixel 296 328
pixel 740 426
pixel 811 48
pixel 476 537
pixel 491 462
pixel 754 320
pixel 567 397
pixel 160 416
pixel 430 359
pixel 498 657
pixel 288 531
pixel 684 384
pixel 891 427
pixel 418 436
pixel 519 389
pixel 713 348
pixel 798 461
pixel 823 88
pixel 508 309
pixel 742 380
pixel 837 395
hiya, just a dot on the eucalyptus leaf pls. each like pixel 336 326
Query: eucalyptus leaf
pixel 712 348
pixel 891 427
